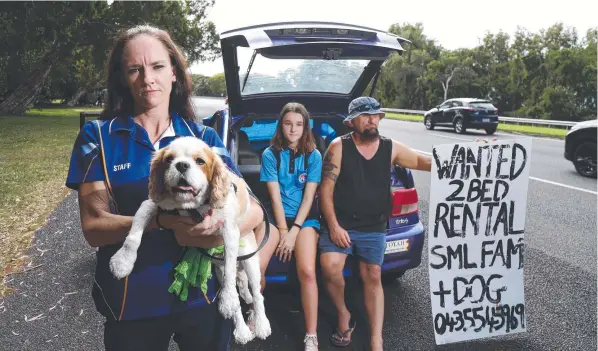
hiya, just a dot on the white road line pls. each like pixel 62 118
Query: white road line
pixel 451 137
pixel 530 136
pixel 564 185
pixel 539 179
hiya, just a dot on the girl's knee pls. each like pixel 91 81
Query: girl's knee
pixel 307 274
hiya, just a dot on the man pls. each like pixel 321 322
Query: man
pixel 355 199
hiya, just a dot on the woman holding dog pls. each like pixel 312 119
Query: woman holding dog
pixel 292 168
pixel 148 106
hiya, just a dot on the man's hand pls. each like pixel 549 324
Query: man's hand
pixel 340 237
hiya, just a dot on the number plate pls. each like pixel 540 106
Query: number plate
pixel 486 120
pixel 396 246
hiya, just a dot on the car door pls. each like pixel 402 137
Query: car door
pixel 449 114
pixel 442 112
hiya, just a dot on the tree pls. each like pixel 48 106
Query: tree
pixel 48 33
pixel 217 84
pixel 400 82
pixel 449 66
pixel 200 84
pixel 548 74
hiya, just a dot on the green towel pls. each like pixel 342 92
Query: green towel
pixel 194 269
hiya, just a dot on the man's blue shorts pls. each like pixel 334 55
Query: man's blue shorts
pixel 367 247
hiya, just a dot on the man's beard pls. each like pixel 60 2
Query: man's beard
pixel 369 134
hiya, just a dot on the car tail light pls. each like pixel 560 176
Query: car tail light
pixel 471 109
pixel 404 201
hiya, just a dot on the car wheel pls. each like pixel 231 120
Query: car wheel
pixel 584 159
pixel 391 277
pixel 490 131
pixel 428 122
pixel 458 126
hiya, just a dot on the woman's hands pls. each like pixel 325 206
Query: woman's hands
pixel 190 233
pixel 286 245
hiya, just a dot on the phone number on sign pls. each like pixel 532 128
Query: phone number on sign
pixel 495 318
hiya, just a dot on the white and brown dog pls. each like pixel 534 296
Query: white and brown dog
pixel 186 175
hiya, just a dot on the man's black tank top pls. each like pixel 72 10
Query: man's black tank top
pixel 362 197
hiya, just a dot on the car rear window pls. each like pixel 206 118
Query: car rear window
pixel 485 105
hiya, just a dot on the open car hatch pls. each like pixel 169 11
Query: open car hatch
pixel 268 65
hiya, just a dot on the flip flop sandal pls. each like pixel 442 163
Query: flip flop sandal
pixel 339 339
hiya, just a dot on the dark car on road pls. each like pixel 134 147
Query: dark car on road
pixel 323 66
pixel 462 114
pixel 580 147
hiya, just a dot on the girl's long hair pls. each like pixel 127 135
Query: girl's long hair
pixel 306 143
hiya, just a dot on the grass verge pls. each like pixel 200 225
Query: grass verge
pixel 34 155
pixel 510 128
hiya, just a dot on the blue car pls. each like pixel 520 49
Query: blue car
pixel 323 66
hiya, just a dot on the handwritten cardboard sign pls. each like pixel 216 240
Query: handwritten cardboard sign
pixel 478 199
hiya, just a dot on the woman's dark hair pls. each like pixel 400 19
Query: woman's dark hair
pixel 120 100
pixel 306 143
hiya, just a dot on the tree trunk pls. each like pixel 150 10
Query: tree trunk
pixel 18 102
pixel 75 98
pixel 446 86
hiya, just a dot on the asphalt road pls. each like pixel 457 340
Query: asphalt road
pixel 52 307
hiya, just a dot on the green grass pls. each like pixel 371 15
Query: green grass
pixel 510 128
pixel 533 130
pixel 34 155
pixel 413 118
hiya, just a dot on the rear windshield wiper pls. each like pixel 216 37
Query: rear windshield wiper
pixel 248 69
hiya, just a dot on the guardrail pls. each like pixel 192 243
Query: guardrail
pixel 511 120
pixel 83 117
pixel 514 120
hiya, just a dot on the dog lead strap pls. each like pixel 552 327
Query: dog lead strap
pixel 111 195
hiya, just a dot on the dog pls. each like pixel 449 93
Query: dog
pixel 189 175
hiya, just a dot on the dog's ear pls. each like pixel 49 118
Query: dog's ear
pixel 220 182
pixel 156 181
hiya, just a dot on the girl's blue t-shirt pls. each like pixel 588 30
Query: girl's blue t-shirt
pixel 292 183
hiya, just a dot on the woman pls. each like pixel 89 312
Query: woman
pixel 148 106
pixel 292 185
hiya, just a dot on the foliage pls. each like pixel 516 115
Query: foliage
pixel 78 37
pixel 59 50
pixel 550 74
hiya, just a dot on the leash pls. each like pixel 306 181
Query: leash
pixel 199 218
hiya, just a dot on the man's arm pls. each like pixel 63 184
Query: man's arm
pixel 406 157
pixel 331 168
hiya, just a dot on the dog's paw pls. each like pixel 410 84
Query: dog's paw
pixel 262 326
pixel 243 334
pixel 121 264
pixel 229 303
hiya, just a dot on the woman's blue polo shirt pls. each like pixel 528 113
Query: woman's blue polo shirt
pixel 127 154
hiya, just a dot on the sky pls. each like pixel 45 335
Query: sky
pixel 453 24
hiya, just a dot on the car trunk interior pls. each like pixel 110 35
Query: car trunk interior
pixel 248 156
